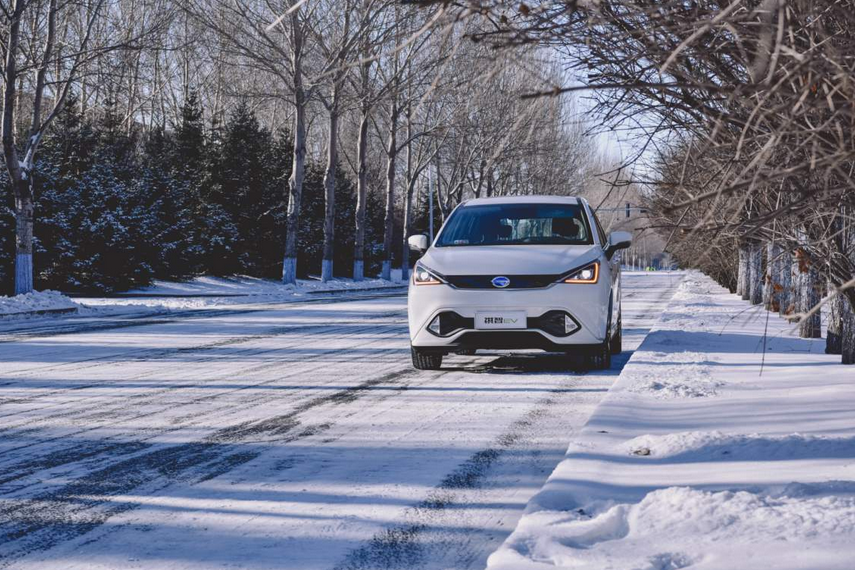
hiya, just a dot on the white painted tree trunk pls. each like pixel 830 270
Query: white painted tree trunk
pixel 361 197
pixel 810 327
pixel 295 193
pixel 770 286
pixel 295 182
pixel 834 331
pixel 742 271
pixel 785 280
pixel 329 191
pixel 756 273
pixel 24 213
pixel 408 199
pixel 389 220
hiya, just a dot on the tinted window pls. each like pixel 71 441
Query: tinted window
pixel 516 224
pixel 600 230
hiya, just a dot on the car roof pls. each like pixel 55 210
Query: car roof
pixel 525 200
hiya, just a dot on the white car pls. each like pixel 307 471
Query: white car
pixel 524 272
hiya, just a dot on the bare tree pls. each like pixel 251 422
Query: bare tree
pixel 273 43
pixel 746 106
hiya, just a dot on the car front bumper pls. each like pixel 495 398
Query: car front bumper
pixel 587 304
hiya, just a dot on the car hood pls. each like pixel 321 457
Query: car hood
pixel 509 259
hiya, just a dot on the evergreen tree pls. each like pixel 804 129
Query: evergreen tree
pixel 118 208
pixel 190 158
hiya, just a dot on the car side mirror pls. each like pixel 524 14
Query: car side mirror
pixel 418 242
pixel 618 241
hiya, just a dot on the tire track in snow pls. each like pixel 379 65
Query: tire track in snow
pixel 401 546
pixel 115 448
pixel 145 355
pixel 44 521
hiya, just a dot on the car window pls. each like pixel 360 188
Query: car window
pixel 600 231
pixel 516 224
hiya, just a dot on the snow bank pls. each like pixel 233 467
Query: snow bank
pixel 244 285
pixel 37 301
pixel 681 527
pixel 206 292
pixel 697 460
pixel 710 446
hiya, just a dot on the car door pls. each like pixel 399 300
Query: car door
pixel 614 270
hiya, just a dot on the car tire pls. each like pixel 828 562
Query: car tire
pixel 617 338
pixel 600 358
pixel 425 360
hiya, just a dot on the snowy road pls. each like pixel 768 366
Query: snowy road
pixel 297 436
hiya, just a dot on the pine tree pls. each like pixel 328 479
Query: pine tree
pixel 190 146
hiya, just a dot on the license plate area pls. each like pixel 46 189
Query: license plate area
pixel 492 320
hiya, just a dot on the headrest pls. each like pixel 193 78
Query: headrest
pixel 565 227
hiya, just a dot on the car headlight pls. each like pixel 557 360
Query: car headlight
pixel 588 274
pixel 424 276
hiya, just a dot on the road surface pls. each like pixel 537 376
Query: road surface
pixel 290 437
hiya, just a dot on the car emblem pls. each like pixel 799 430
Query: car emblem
pixel 500 282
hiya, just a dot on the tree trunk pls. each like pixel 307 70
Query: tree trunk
pixel 797 284
pixel 329 191
pixel 295 195
pixel 770 286
pixel 833 339
pixel 295 181
pixel 785 280
pixel 742 272
pixel 847 331
pixel 18 176
pixel 24 214
pixel 408 200
pixel 361 197
pixel 756 275
pixel 810 327
pixel 847 309
pixel 389 221
pixel 408 222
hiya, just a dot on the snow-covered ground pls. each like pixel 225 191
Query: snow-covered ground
pixel 727 443
pixel 293 436
pixel 212 292
pixel 198 293
pixel 38 301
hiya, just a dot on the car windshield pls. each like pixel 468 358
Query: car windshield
pixel 516 224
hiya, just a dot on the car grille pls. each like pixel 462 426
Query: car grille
pixel 508 340
pixel 551 322
pixel 516 281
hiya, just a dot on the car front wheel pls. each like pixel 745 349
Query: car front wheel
pixel 600 358
pixel 425 360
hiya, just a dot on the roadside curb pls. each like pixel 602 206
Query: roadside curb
pixel 40 312
pixel 361 290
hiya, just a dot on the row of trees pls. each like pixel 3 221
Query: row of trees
pixel 747 110
pixel 117 210
pixel 371 99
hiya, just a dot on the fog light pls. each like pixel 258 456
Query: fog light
pixel 570 325
pixel 434 326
